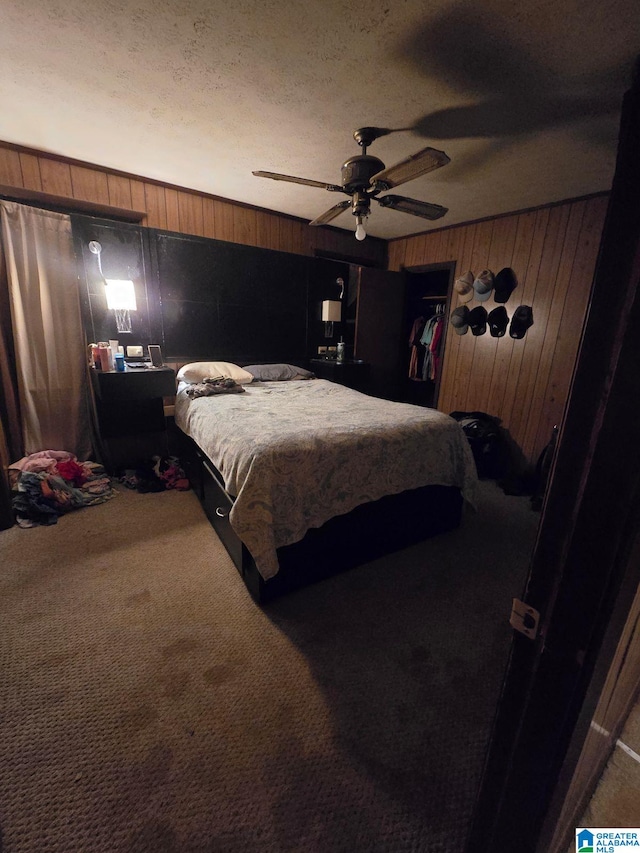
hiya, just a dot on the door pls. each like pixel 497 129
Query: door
pixel 583 565
pixel 379 323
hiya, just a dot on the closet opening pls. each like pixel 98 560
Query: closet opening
pixel 427 296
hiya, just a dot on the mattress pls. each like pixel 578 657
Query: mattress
pixel 295 454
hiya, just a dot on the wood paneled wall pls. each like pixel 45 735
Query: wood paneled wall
pixel 174 209
pixel 553 252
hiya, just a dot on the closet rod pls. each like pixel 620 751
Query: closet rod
pixel 435 298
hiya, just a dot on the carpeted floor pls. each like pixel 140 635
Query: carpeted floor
pixel 149 706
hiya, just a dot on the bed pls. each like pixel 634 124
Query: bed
pixel 305 475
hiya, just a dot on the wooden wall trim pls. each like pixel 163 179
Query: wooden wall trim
pixel 94 189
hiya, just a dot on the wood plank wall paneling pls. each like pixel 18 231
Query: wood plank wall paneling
pixel 174 209
pixel 155 204
pixel 137 194
pixel 553 252
pixel 119 189
pixel 11 168
pixel 89 184
pixel 30 166
pixel 190 214
pixel 56 177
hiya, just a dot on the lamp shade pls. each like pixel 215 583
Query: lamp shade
pixel 121 294
pixel 331 311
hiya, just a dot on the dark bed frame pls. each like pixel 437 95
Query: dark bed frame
pixel 344 542
pixel 215 300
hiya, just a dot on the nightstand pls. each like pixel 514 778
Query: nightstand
pixel 130 411
pixel 352 373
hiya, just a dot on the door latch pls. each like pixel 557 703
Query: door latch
pixel 524 619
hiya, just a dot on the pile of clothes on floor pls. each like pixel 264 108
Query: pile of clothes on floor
pixel 160 473
pixel 50 483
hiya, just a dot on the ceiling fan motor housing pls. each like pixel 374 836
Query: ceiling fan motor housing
pixel 360 203
pixel 358 171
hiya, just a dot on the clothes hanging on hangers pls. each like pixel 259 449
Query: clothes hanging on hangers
pixel 434 349
pixel 431 337
pixel 414 342
pixel 424 342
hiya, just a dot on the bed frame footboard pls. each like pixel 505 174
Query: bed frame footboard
pixel 344 542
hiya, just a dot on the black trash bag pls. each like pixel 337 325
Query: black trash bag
pixel 488 444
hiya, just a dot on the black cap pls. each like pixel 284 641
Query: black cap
pixel 504 285
pixel 498 321
pixel 478 320
pixel 520 322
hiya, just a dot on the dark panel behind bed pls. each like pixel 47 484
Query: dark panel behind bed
pixel 239 303
pixel 204 299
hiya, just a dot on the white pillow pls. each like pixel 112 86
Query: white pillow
pixel 198 371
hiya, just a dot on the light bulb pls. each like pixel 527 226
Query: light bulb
pixel 360 232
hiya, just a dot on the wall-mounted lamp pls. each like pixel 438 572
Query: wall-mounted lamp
pixel 121 294
pixel 121 298
pixel 331 313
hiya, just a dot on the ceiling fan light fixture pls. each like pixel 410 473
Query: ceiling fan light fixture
pixel 364 177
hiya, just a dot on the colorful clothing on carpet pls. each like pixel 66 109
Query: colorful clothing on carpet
pixel 50 483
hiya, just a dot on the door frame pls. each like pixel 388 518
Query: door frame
pixel 427 268
pixel 583 565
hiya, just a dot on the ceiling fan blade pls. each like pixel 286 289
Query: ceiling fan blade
pixel 306 181
pixel 411 167
pixel 413 206
pixel 330 214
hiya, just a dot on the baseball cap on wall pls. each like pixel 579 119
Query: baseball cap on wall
pixel 478 321
pixel 483 285
pixel 521 321
pixel 460 320
pixel 504 285
pixel 463 286
pixel 498 320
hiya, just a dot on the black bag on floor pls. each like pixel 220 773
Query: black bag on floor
pixel 487 443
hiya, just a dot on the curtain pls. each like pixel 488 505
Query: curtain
pixel 10 432
pixel 48 339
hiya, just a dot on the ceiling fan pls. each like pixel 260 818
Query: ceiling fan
pixel 364 177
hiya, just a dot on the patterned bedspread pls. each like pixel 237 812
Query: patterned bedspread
pixel 295 454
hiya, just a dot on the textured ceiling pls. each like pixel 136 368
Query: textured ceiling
pixel 524 98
